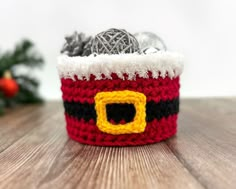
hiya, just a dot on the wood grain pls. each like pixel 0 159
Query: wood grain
pixel 18 122
pixel 206 142
pixel 35 152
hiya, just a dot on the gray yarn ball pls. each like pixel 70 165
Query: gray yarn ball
pixel 114 41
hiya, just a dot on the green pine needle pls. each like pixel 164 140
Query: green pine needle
pixel 23 55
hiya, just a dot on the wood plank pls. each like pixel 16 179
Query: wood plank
pixel 206 141
pixel 19 121
pixel 46 158
pixel 117 168
pixel 40 155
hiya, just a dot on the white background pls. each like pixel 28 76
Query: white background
pixel 203 30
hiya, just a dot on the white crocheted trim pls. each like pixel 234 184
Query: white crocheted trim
pixel 161 64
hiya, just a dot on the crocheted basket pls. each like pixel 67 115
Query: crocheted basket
pixel 121 100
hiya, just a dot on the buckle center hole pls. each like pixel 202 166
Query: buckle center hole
pixel 120 113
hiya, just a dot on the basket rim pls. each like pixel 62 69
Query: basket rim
pixel 160 64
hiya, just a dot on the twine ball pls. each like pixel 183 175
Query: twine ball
pixel 114 41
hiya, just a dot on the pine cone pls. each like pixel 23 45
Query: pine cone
pixel 87 47
pixel 74 45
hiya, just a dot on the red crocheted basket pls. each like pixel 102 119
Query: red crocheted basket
pixel 121 100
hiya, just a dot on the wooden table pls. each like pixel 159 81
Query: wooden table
pixel 35 152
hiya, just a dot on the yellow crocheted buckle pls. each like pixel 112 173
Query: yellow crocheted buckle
pixel 137 99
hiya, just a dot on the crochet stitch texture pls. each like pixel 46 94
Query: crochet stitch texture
pixel 132 102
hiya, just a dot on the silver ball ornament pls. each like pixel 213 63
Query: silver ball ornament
pixel 149 40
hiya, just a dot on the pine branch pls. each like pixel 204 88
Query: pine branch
pixel 26 96
pixel 2 104
pixel 26 80
pixel 22 55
